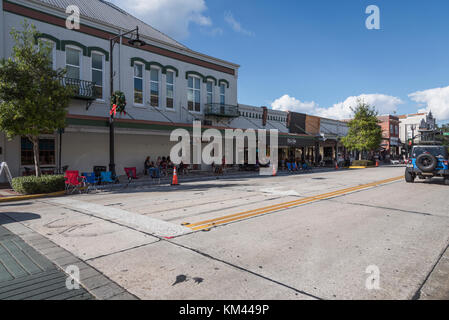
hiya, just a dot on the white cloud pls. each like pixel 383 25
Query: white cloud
pixel 436 100
pixel 235 25
pixel 384 104
pixel 172 17
pixel 287 103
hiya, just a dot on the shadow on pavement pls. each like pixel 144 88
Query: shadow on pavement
pixel 17 217
pixel 16 204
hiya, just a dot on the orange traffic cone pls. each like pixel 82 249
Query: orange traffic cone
pixel 336 165
pixel 175 178
pixel 377 163
pixel 274 170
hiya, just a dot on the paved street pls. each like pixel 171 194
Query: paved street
pixel 288 237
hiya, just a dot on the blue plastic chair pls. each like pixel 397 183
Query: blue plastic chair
pixel 306 167
pixel 294 167
pixel 90 179
pixel 106 177
pixel 289 167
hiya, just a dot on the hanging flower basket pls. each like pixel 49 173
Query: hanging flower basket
pixel 118 103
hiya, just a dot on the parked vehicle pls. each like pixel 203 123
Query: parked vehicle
pixel 426 162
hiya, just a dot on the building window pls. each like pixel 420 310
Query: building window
pixel 73 63
pixel 154 87
pixel 210 92
pixel 194 94
pixel 52 55
pixel 138 83
pixel 170 89
pixel 46 152
pixel 222 94
pixel 97 74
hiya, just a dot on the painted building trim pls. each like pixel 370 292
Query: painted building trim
pixel 195 73
pixel 49 37
pixel 64 43
pixel 169 67
pixel 90 49
pixel 102 34
pixel 133 60
pixel 211 78
pixel 223 81
pixel 153 63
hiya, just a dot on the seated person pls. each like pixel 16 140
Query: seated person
pixel 147 165
pixel 154 171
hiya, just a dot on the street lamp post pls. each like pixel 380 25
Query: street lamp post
pixel 137 42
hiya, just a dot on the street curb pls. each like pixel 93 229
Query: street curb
pixel 31 196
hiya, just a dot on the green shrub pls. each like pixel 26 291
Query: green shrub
pixel 362 163
pixel 38 185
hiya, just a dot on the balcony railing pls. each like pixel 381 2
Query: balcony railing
pixel 82 89
pixel 221 110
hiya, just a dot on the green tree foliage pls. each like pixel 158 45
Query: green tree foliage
pixel 365 134
pixel 32 99
pixel 444 129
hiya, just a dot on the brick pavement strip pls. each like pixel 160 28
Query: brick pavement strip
pixel 29 269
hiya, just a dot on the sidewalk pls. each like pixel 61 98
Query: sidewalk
pixel 25 274
pixel 31 268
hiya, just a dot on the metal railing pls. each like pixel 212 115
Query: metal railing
pixel 82 89
pixel 221 110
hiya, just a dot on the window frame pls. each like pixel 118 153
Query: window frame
pixel 158 86
pixel 53 51
pixel 222 94
pixel 43 137
pixel 103 61
pixel 194 77
pixel 80 53
pixel 173 85
pixel 210 93
pixel 142 78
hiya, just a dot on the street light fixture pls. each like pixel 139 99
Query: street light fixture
pixel 137 42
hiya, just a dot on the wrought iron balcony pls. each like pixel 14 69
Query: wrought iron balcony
pixel 82 89
pixel 221 110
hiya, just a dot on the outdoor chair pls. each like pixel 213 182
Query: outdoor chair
pixel 91 180
pixel 294 167
pixel 73 182
pixel 106 177
pixel 289 167
pixel 306 167
pixel 131 173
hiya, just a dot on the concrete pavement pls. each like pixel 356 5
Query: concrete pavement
pixel 317 250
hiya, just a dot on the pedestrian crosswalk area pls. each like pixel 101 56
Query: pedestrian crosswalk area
pixel 25 274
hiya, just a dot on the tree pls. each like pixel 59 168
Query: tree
pixel 365 134
pixel 33 101
pixel 443 138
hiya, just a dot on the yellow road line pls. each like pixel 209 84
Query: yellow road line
pixel 207 224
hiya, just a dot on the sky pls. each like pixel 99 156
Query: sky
pixel 318 56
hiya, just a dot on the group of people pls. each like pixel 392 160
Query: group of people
pixel 161 166
pixel 294 164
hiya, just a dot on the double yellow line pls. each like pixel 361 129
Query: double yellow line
pixel 207 224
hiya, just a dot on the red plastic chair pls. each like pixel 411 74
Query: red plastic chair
pixel 73 182
pixel 131 173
